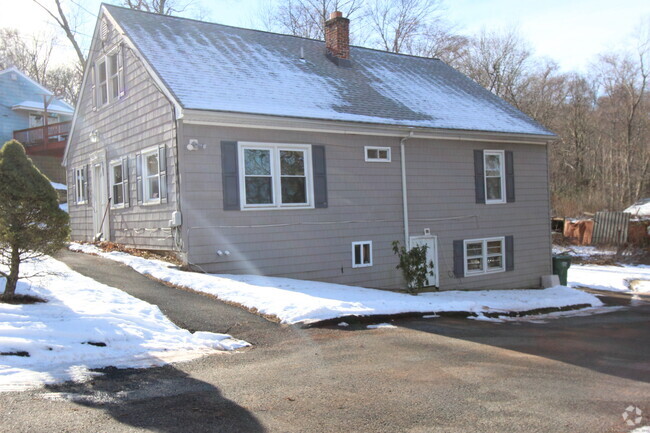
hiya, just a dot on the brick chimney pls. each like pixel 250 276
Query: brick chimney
pixel 337 36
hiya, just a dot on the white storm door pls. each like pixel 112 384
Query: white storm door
pixel 100 224
pixel 432 255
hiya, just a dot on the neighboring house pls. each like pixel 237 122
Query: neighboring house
pixel 254 152
pixel 22 116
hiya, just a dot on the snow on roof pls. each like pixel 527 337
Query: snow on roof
pixel 56 106
pixel 640 209
pixel 221 68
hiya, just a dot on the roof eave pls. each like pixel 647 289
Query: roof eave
pixel 264 121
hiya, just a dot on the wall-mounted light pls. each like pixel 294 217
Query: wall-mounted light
pixel 195 145
pixel 94 136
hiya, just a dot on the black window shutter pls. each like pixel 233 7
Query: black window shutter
pixel 138 177
pixel 510 177
pixel 230 175
pixel 479 177
pixel 162 172
pixel 510 254
pixel 320 176
pixel 459 259
pixel 125 182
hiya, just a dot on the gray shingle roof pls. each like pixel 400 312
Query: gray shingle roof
pixel 221 68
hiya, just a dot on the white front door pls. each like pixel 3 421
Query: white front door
pixel 100 223
pixel 432 255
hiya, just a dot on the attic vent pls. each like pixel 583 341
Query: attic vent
pixel 14 76
pixel 103 30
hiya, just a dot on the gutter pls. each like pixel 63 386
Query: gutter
pixel 405 207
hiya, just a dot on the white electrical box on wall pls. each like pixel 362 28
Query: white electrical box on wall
pixel 176 220
pixel 427 232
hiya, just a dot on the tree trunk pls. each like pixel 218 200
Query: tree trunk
pixel 12 279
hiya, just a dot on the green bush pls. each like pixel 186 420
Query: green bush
pixel 414 266
pixel 31 222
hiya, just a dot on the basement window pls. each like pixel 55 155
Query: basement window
pixel 361 254
pixel 377 154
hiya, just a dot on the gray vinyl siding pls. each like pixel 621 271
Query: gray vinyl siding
pixel 316 243
pixel 309 247
pixel 140 120
pixel 441 185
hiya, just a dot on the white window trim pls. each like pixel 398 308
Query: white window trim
pixel 112 182
pixel 109 82
pixel 146 201
pixel 275 149
pixel 362 265
pixel 484 256
pixel 100 102
pixel 502 161
pixel 367 148
pixel 79 181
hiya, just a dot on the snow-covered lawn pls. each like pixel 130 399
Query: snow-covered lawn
pixel 86 325
pixel 296 301
pixel 583 251
pixel 627 278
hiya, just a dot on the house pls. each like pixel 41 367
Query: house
pixel 29 112
pixel 253 152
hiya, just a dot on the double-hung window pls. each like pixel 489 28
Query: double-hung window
pixel 119 178
pixel 114 75
pixel 275 176
pixel 494 176
pixel 484 256
pixel 151 176
pixel 102 80
pixel 108 77
pixel 81 195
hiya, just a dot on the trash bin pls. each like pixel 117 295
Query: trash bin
pixel 561 265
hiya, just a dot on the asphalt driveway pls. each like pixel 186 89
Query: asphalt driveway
pixel 574 374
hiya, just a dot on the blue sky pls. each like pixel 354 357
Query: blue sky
pixel 571 32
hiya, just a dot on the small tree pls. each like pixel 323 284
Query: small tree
pixel 31 222
pixel 414 266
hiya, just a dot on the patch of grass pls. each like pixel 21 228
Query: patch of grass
pixel 167 256
pixel 21 300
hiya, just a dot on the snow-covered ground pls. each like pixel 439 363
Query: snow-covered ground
pixel 80 311
pixel 626 278
pixel 583 251
pixel 297 301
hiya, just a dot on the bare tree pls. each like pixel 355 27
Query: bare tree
pixel 57 13
pixel 399 26
pixel 161 7
pixel 65 82
pixel 31 55
pixel 306 18
pixel 498 61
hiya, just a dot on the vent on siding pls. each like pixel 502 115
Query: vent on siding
pixel 103 30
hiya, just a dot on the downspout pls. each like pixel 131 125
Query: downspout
pixel 405 207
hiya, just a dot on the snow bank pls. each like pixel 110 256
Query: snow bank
pixel 611 278
pixel 297 301
pixel 80 311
